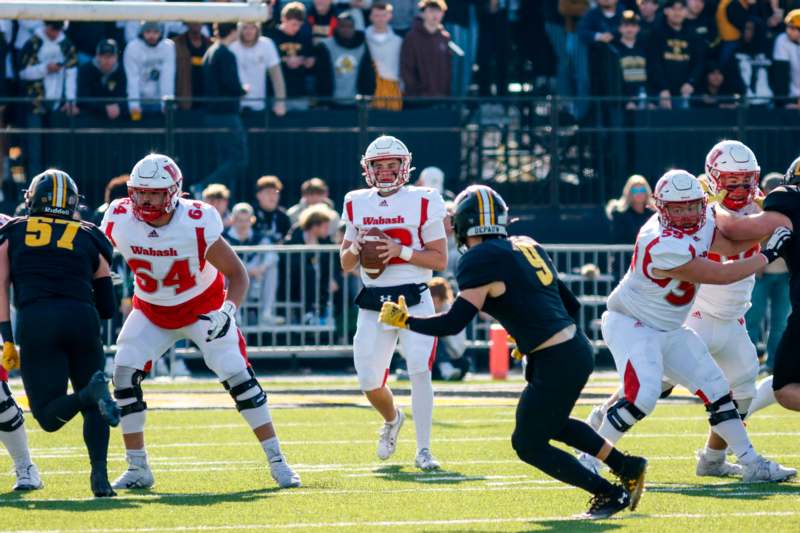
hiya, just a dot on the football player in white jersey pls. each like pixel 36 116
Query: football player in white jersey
pixel 412 217
pixel 180 263
pixel 12 425
pixel 644 325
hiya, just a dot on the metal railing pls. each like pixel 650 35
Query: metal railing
pixel 289 312
pixel 528 147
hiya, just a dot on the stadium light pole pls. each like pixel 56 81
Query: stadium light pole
pixel 252 11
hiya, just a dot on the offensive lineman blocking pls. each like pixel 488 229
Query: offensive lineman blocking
pixel 173 246
pixel 414 217
pixel 644 325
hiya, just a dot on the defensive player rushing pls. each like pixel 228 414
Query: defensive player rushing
pixel 732 173
pixel 174 248
pixel 412 217
pixel 12 425
pixel 62 288
pixel 513 280
pixel 644 325
pixel 781 207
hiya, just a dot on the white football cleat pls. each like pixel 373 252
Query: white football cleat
pixel 590 463
pixel 595 418
pixel 283 474
pixel 425 461
pixel 387 442
pixel 28 478
pixel 716 467
pixel 137 476
pixel 763 470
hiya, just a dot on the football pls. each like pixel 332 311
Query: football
pixel 371 262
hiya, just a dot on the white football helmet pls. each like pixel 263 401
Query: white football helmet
pixel 386 147
pixel 733 159
pixel 680 187
pixel 432 177
pixel 153 173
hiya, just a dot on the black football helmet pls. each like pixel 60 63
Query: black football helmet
pixel 480 211
pixel 792 176
pixel 52 193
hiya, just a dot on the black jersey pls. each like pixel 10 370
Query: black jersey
pixel 531 309
pixel 786 200
pixel 53 258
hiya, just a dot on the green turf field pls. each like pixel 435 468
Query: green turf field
pixel 211 475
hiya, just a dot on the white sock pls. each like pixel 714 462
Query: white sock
pixel 396 417
pixel 272 447
pixel 16 442
pixel 137 457
pixel 765 396
pixel 422 407
pixel 733 432
pixel 714 455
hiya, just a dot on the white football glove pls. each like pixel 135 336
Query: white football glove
pixel 220 320
pixel 774 247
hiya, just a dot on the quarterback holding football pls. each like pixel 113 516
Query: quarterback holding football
pixel 395 232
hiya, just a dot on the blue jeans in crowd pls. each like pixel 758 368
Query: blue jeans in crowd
pixel 771 290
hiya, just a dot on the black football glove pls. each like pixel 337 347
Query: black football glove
pixel 776 243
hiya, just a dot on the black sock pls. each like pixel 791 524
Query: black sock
pixel 615 460
pixel 95 435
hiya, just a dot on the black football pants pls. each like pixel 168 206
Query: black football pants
pixel 556 376
pixel 60 341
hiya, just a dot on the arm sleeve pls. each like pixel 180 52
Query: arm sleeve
pixel 433 228
pixel 585 31
pixel 273 58
pixel 571 303
pixel 324 71
pixel 131 64
pixel 350 231
pixel 213 227
pixel 104 297
pixel 31 69
pixel 71 84
pixel 698 62
pixel 408 69
pixel 85 91
pixel 167 78
pixel 454 320
pixel 366 74
pixel 104 246
pixel 782 201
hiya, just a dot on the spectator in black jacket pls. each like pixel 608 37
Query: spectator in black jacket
pixel 295 49
pixel 632 58
pixel 344 64
pixel 103 77
pixel 598 28
pixel 648 15
pixel 677 57
pixel 221 80
pixel 700 19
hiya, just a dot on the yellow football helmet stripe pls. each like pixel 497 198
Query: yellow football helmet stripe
pixel 55 190
pixel 480 207
pixel 491 208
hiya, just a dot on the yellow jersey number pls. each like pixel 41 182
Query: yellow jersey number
pixel 530 252
pixel 39 232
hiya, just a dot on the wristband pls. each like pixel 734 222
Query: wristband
pixel 406 253
pixel 6 331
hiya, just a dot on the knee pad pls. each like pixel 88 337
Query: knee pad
pixel 10 413
pixel 128 390
pixel 722 410
pixel 623 415
pixel 245 390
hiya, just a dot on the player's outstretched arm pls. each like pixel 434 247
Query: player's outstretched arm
pixel 103 290
pixel 461 313
pixel 702 270
pixel 221 255
pixel 750 227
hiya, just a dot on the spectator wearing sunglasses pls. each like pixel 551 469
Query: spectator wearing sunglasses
pixel 630 211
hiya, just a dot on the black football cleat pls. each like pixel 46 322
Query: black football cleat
pixel 99 481
pixel 97 391
pixel 632 477
pixel 606 504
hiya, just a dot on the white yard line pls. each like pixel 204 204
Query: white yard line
pixel 409 523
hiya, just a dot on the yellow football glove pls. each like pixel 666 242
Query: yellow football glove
pixel 759 197
pixel 10 356
pixel 712 196
pixel 394 314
